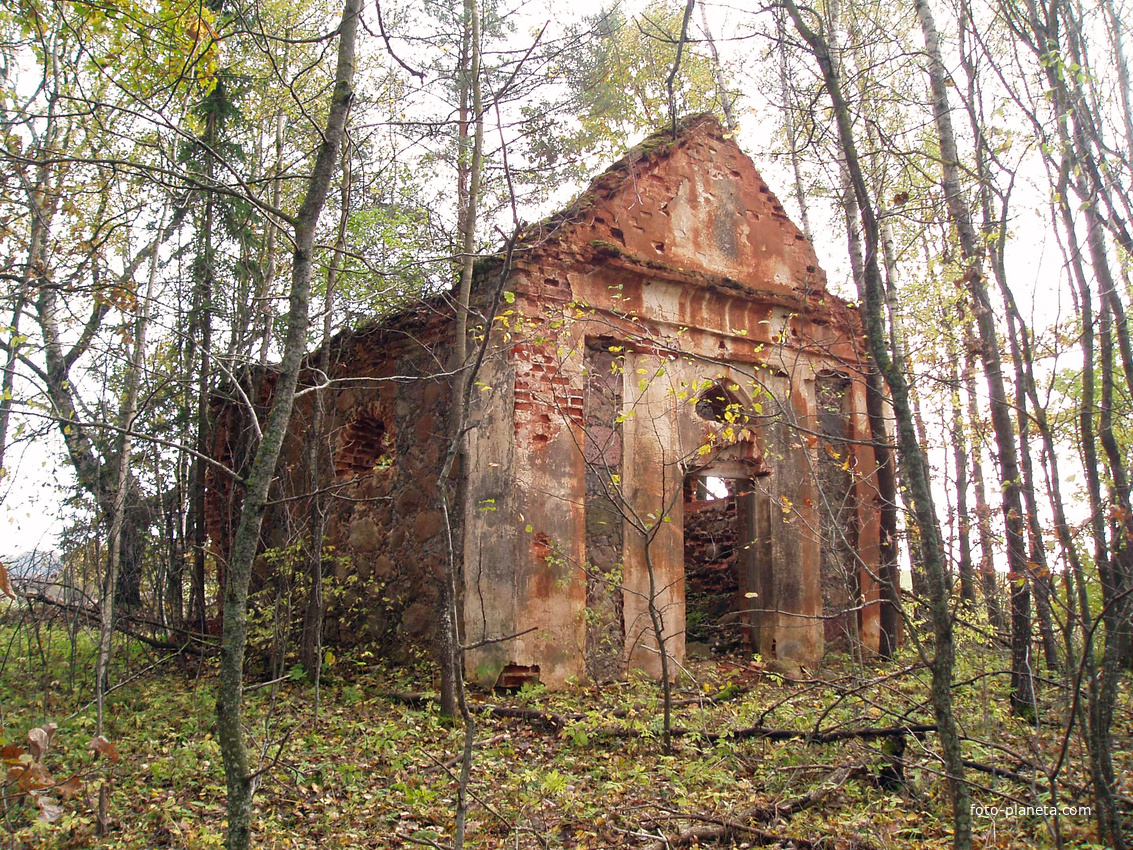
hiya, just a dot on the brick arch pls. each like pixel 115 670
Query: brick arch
pixel 366 440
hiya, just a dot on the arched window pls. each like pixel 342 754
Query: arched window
pixel 366 444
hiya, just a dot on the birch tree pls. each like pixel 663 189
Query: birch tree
pixel 913 464
pixel 239 776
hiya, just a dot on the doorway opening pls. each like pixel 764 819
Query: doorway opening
pixel 717 541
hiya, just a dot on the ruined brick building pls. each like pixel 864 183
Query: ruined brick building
pixel 671 409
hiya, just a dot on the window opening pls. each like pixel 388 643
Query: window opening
pixel 716 488
pixel 366 445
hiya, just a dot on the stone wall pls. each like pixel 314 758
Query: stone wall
pixel 386 432
pixel 605 631
pixel 841 593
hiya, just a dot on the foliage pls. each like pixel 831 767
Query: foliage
pixel 371 768
pixel 617 84
pixel 168 141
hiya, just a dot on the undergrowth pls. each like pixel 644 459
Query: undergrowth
pixel 583 769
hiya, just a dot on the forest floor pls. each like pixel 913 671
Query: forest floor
pixel 580 769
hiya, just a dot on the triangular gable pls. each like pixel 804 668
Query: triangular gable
pixel 696 204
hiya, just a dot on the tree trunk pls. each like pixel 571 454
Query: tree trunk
pixel 989 582
pixel 240 781
pixel 319 463
pixel 889 575
pixel 1099 698
pixel 994 229
pixel 1125 89
pixel 1101 684
pixel 470 168
pixel 1022 674
pixel 963 522
pixel 789 127
pixel 1040 570
pixel 8 383
pixel 200 335
pixel 107 604
pixel 718 71
pixel 912 457
pixel 469 173
pixel 272 228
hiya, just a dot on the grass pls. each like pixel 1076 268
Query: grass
pixel 370 772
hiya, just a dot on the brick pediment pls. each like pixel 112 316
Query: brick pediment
pixel 693 204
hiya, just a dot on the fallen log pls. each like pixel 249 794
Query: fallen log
pixel 809 737
pixel 561 720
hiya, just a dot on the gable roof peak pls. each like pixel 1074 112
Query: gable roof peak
pixel 693 203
